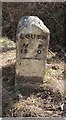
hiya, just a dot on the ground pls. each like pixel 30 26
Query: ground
pixel 32 100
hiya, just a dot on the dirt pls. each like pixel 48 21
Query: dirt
pixel 33 100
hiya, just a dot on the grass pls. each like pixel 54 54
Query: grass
pixel 64 74
pixel 48 75
pixel 5 42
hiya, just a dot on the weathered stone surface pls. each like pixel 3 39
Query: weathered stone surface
pixel 32 45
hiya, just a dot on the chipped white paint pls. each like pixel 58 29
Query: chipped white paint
pixel 32 46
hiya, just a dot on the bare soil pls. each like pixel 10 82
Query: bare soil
pixel 33 100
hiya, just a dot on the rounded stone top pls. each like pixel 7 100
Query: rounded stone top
pixel 31 20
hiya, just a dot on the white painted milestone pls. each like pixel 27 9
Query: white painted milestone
pixel 31 51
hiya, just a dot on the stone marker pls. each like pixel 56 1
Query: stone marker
pixel 32 46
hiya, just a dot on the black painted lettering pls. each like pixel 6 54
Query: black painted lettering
pixel 39 36
pixel 33 36
pixel 27 36
pixel 21 36
pixel 44 37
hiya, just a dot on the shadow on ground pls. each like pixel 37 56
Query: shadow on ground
pixel 28 91
pixel 14 94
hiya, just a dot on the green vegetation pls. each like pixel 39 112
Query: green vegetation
pixel 64 74
pixel 5 42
